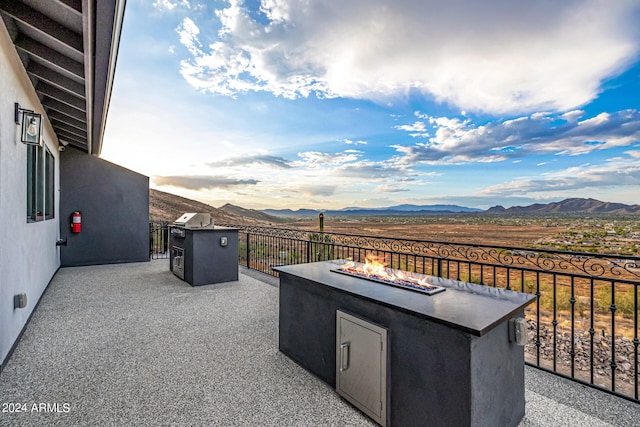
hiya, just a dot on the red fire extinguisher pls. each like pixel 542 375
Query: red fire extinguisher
pixel 76 222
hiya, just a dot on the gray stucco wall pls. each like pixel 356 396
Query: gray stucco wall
pixel 28 253
pixel 114 203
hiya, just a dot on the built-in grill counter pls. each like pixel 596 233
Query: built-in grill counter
pixel 452 357
pixel 202 253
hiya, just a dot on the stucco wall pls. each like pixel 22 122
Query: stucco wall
pixel 114 203
pixel 28 255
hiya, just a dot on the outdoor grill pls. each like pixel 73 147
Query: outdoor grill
pixel 202 253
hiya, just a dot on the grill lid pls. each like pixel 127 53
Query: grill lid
pixel 194 220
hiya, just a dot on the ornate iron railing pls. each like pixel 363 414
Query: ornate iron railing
pixel 583 326
pixel 586 264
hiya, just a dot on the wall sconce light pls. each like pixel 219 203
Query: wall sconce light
pixel 31 125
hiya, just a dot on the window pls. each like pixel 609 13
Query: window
pixel 40 183
pixel 49 177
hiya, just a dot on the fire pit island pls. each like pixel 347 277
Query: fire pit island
pixel 404 358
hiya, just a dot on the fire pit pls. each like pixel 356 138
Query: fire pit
pixel 375 271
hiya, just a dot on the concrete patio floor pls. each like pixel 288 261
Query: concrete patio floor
pixel 133 345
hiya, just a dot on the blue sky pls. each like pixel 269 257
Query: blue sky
pixel 326 104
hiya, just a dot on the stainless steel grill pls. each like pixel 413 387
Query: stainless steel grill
pixel 194 221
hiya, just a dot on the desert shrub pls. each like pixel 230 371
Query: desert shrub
pixel 625 302
pixel 563 295
pixel 475 278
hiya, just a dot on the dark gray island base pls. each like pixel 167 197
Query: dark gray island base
pixel 207 255
pixel 449 360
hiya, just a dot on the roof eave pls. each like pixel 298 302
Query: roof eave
pixel 103 36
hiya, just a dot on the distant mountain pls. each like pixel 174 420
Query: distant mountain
pixel 390 211
pixel 249 213
pixel 498 209
pixel 438 208
pixel 574 205
pixel 168 207
pixel 288 213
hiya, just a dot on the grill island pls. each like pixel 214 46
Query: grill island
pixel 202 253
pixel 403 358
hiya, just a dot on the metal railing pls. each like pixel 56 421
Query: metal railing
pixel 583 326
pixel 159 240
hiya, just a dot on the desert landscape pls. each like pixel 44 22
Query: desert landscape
pixel 613 232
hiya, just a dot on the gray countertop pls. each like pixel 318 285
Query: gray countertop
pixel 473 308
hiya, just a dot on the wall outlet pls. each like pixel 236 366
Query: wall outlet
pixel 518 331
pixel 20 300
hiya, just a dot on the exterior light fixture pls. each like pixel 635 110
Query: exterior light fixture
pixel 31 125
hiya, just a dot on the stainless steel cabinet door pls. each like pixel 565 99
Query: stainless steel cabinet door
pixel 361 365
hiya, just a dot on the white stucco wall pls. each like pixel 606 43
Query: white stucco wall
pixel 28 255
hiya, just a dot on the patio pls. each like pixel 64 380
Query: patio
pixel 131 344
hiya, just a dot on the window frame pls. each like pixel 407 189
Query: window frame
pixel 40 183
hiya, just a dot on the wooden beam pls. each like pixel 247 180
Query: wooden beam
pixel 42 23
pixel 61 95
pixel 66 119
pixel 68 129
pixel 74 5
pixel 52 104
pixel 69 137
pixel 52 58
pixel 46 74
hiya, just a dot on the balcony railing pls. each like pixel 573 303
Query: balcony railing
pixel 584 324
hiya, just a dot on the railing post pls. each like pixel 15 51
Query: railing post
pixel 248 251
pixel 439 267
pixel 150 240
pixel 308 251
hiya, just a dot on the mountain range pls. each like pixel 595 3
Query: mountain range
pixel 167 207
pixel 567 206
pixel 391 210
pixel 574 205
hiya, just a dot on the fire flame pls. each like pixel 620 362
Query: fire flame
pixel 374 267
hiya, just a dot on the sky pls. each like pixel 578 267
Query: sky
pixel 331 104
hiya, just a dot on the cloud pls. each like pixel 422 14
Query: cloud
pixel 197 182
pixel 168 5
pixel 255 159
pixel 315 159
pixel 318 190
pixel 390 188
pixel 188 32
pixel 457 141
pixel 495 56
pixel 417 129
pixel 372 171
pixel 619 171
pixel 350 142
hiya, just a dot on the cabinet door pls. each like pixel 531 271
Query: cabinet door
pixel 361 365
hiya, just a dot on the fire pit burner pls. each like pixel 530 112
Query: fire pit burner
pixel 377 273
